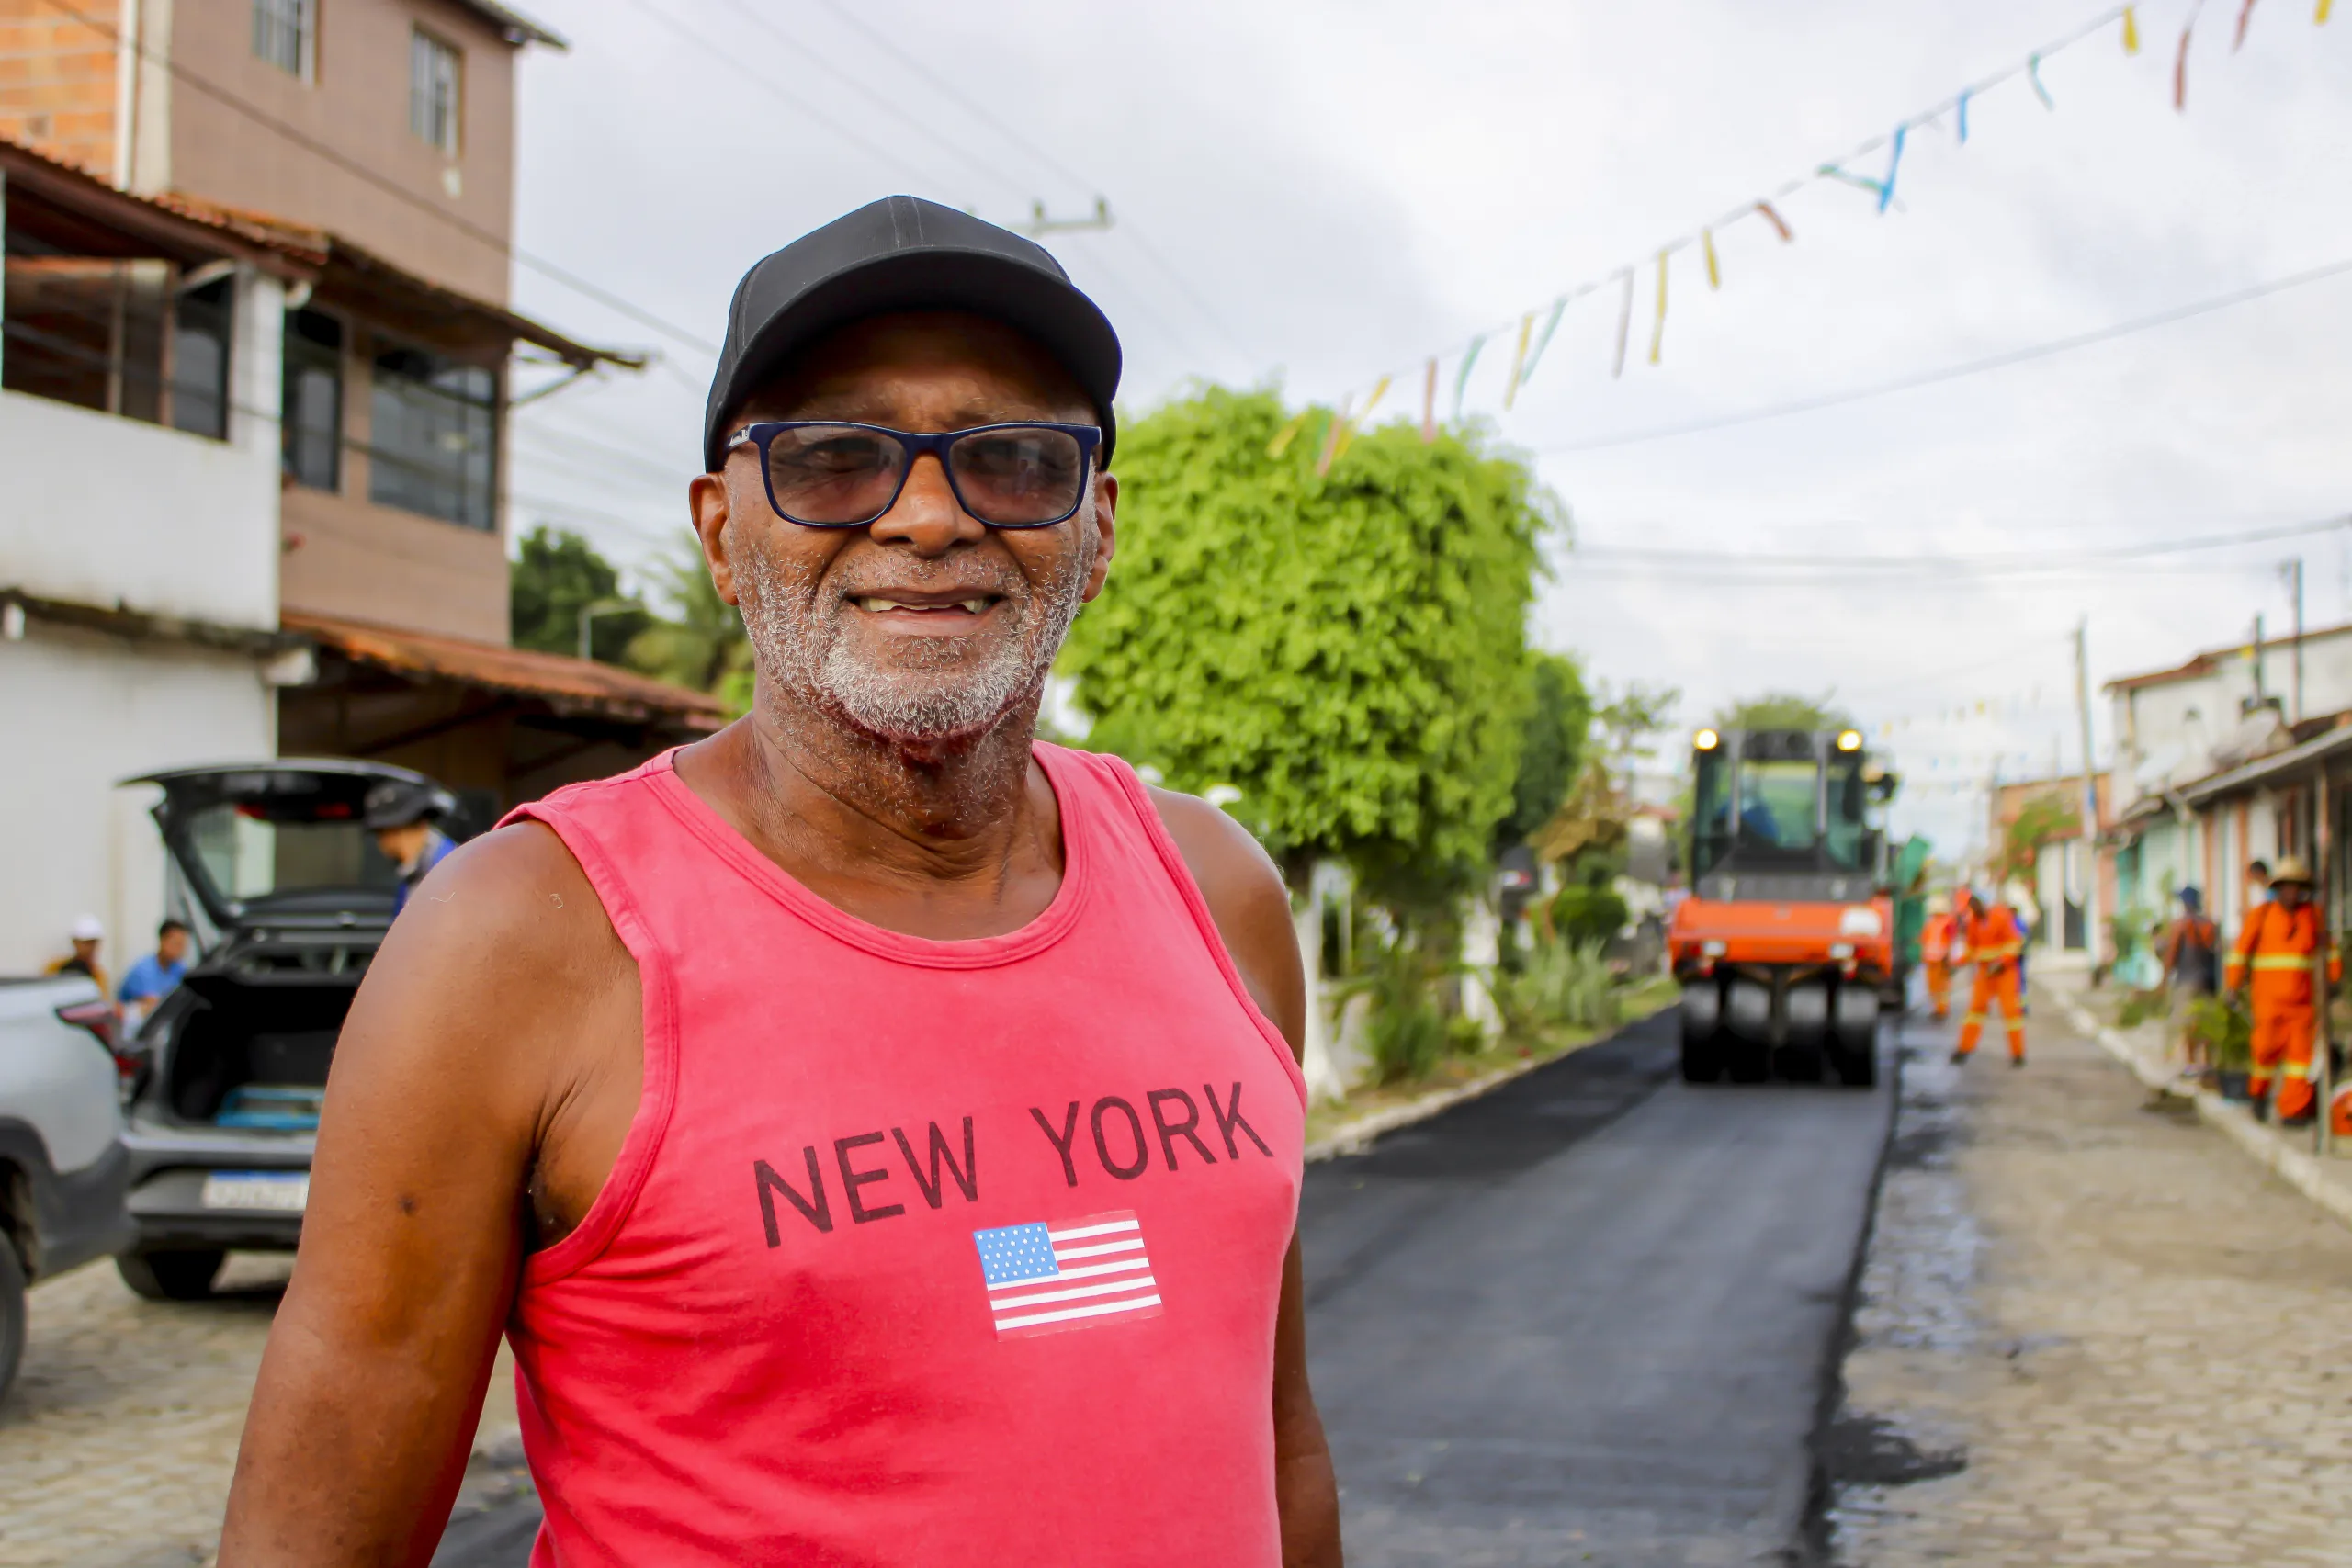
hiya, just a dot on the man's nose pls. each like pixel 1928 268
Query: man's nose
pixel 927 514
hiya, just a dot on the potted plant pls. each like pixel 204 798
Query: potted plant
pixel 2227 1032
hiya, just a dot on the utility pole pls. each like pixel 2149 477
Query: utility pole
pixel 2090 791
pixel 2295 575
pixel 1040 225
pixel 2259 694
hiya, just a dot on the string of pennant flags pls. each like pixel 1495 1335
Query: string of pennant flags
pixel 1531 333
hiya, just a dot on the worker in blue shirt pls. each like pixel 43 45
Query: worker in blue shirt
pixel 402 816
pixel 156 975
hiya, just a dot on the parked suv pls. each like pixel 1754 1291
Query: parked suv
pixel 62 1167
pixel 230 1068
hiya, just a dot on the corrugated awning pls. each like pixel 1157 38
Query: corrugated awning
pixel 566 684
pixel 2312 752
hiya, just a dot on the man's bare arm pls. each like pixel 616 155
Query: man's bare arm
pixel 1251 909
pixel 459 1067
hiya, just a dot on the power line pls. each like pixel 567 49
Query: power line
pixel 1974 565
pixel 800 46
pixel 980 111
pixel 766 84
pixel 1971 367
pixel 352 166
pixel 734 63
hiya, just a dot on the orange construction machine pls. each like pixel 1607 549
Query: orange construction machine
pixel 1785 947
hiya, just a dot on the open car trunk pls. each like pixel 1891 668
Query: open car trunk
pixel 253 1049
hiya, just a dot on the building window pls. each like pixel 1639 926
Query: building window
pixel 433 83
pixel 285 33
pixel 434 448
pixel 136 337
pixel 202 318
pixel 311 422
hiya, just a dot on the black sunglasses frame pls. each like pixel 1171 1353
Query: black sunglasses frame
pixel 915 443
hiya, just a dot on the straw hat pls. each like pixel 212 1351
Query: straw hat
pixel 2290 868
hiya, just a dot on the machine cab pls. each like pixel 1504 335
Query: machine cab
pixel 1791 815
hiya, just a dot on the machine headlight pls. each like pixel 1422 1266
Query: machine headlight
pixel 1860 922
pixel 1713 949
pixel 1841 950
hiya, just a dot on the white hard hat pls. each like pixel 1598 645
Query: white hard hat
pixel 88 928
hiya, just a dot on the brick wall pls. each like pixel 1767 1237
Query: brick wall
pixel 57 82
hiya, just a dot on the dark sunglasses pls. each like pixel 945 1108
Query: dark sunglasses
pixel 830 474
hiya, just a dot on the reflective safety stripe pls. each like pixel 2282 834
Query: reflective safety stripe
pixel 2282 961
pixel 1975 1018
pixel 2299 1070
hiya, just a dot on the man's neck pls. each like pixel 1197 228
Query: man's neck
pixel 823 798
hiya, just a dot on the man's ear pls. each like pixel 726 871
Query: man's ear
pixel 1106 531
pixel 712 504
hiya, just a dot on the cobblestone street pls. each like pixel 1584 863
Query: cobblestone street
pixel 117 1444
pixel 2091 1332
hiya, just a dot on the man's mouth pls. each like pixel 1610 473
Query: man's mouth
pixel 926 605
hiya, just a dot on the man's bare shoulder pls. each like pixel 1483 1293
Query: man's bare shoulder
pixel 1246 899
pixel 513 902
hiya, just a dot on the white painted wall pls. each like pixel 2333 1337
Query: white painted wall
pixel 2171 726
pixel 82 710
pixel 105 510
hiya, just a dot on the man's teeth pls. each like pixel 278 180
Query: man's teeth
pixel 882 606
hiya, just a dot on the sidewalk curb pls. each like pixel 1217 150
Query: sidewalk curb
pixel 1354 1137
pixel 2300 1170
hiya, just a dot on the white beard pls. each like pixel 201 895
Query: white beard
pixel 941 689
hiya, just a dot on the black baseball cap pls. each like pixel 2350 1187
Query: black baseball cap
pixel 905 253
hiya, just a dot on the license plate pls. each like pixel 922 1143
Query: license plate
pixel 279 1191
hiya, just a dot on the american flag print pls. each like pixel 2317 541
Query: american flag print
pixel 1053 1275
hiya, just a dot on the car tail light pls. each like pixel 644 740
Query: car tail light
pixel 106 1026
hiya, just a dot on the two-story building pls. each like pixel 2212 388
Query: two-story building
pixel 257 371
pixel 2217 769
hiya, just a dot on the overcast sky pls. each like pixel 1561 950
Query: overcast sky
pixel 1321 193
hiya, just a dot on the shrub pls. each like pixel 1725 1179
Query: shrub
pixel 2226 1030
pixel 2141 1006
pixel 1581 913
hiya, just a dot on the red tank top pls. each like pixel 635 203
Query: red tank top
pixel 917 1252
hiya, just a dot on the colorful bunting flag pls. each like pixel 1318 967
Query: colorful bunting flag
pixel 1544 339
pixel 2180 62
pixel 2246 15
pixel 1960 104
pixel 1625 322
pixel 1461 377
pixel 2319 17
pixel 1893 163
pixel 1289 434
pixel 1779 224
pixel 2131 29
pixel 1707 246
pixel 1658 329
pixel 2033 75
pixel 1428 403
pixel 1331 437
pixel 1347 427
pixel 1517 360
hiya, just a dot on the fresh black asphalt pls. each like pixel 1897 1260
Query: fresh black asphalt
pixel 1590 1316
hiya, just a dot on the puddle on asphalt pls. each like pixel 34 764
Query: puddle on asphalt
pixel 1916 1300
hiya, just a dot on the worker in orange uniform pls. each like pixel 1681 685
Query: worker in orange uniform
pixel 1935 951
pixel 2280 947
pixel 1995 943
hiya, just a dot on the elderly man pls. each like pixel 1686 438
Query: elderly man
pixel 877 1134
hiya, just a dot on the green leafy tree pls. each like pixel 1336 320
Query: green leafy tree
pixel 2044 818
pixel 1347 650
pixel 1553 745
pixel 699 641
pixel 555 575
pixel 1785 710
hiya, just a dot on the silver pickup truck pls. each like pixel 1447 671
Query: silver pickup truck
pixel 291 898
pixel 63 1169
